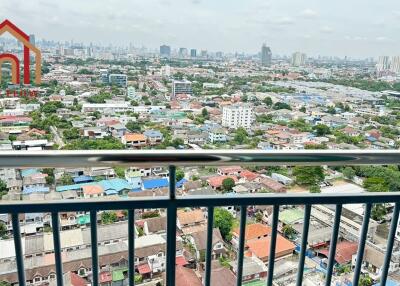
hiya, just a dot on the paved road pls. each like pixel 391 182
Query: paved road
pixel 57 137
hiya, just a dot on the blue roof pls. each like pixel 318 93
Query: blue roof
pixel 29 172
pixel 155 183
pixel 152 133
pixel 82 179
pixel 116 184
pixel 180 183
pixel 370 138
pixel 388 283
pixel 111 192
pixel 31 190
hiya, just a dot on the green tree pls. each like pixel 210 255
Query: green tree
pixel 365 280
pixel 267 101
pixel 66 179
pixel 378 212
pixel 12 137
pixel 134 126
pixel 349 173
pixel 308 175
pixel 108 217
pixel 72 133
pixel 204 113
pixel 223 220
pixel 374 184
pixel 240 135
pixel 321 129
pixel 3 230
pixel 180 174
pixel 228 184
pixel 3 188
pixel 281 105
pixel 315 189
pixel 288 231
pixel 303 109
pixel 50 175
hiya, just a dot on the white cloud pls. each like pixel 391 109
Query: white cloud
pixel 284 21
pixel 309 13
pixel 326 29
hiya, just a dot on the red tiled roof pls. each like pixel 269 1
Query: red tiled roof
pixel 250 176
pixel 105 277
pixel 186 277
pixel 253 231
pixel 344 251
pixel 144 268
pixel 260 247
pixel 216 181
pixel 76 280
pixel 180 260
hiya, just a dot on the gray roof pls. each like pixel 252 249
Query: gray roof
pixel 200 238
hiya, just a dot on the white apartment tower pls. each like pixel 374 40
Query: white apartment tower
pixel 298 59
pixel 383 63
pixel 236 116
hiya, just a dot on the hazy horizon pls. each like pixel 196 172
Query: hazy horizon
pixel 358 30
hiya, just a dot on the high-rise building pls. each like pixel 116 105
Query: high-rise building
pixel 118 79
pixel 266 56
pixel 383 63
pixel 298 59
pixel 395 64
pixel 203 53
pixel 183 52
pixel 32 39
pixel 193 53
pixel 131 92
pixel 181 87
pixel 236 116
pixel 165 51
pixel 219 55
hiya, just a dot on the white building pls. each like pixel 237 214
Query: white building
pixel 181 87
pixel 106 107
pixel 298 59
pixel 236 116
pixel 383 63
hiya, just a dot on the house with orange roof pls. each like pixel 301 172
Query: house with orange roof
pixel 216 181
pixel 190 219
pixel 260 248
pixel 253 232
pixel 92 191
pixel 134 140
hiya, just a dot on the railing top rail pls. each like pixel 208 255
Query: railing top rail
pixel 196 201
pixel 93 158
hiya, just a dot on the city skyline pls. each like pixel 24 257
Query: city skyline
pixel 311 27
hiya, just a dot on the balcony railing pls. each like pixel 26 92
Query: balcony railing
pixel 172 202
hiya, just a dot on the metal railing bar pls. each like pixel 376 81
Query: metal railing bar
pixel 303 247
pixel 210 229
pixel 91 158
pixel 18 249
pixel 242 235
pixel 333 242
pixel 361 245
pixel 55 222
pixel 93 237
pixel 197 201
pixel 389 247
pixel 271 259
pixel 171 228
pixel 131 247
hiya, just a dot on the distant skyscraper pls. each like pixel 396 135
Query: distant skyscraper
pixel 383 63
pixel 193 53
pixel 266 56
pixel 298 59
pixel 165 51
pixel 219 54
pixel 395 64
pixel 183 52
pixel 32 39
pixel 203 53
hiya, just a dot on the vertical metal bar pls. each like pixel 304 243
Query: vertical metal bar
pixel 210 230
pixel 239 271
pixel 271 259
pixel 18 249
pixel 55 222
pixel 131 247
pixel 171 229
pixel 303 247
pixel 361 245
pixel 389 247
pixel 95 258
pixel 332 250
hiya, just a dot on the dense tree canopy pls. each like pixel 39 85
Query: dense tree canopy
pixel 309 175
pixel 223 220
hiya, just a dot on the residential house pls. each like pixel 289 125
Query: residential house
pixel 199 240
pixel 253 269
pixel 153 137
pixel 190 221
pixel 254 231
pixel 271 185
pixel 134 140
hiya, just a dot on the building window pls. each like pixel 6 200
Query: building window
pixel 37 279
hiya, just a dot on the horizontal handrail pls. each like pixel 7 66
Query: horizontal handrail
pixel 93 158
pixel 196 201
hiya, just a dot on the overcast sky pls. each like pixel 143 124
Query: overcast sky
pixel 356 28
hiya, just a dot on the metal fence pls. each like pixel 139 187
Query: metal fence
pixel 172 202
